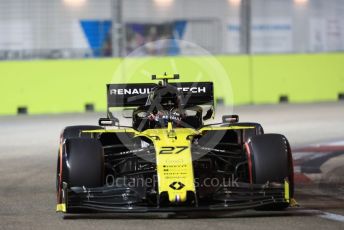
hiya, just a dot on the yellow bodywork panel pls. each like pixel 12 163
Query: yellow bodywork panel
pixel 212 128
pixel 173 156
pixel 165 76
pixel 286 191
pixel 174 161
pixel 61 208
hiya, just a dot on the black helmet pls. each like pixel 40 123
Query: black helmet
pixel 167 97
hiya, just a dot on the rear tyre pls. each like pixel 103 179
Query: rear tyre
pixel 270 160
pixel 248 133
pixel 76 131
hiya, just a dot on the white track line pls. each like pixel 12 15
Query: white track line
pixel 329 143
pixel 332 216
pixel 322 214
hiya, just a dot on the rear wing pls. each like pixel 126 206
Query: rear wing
pixel 133 95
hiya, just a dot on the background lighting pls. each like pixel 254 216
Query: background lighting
pixel 301 2
pixel 163 3
pixel 234 2
pixel 74 3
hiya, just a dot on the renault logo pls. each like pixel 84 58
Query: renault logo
pixel 177 185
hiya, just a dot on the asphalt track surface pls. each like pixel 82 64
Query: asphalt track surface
pixel 28 148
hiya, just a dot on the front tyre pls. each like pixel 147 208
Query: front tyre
pixel 270 160
pixel 85 162
pixel 81 163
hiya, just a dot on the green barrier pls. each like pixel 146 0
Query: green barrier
pixel 68 85
pixel 303 78
pixel 54 86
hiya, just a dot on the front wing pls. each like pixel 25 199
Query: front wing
pixel 125 199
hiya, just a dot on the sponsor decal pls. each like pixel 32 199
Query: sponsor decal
pixel 138 91
pixel 177 185
pixel 192 89
pixel 125 91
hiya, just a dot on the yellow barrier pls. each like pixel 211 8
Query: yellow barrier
pixel 61 86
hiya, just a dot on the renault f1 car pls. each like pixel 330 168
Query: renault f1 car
pixel 169 159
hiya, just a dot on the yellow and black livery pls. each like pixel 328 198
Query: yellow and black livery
pixel 169 159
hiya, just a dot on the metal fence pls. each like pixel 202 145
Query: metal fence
pixel 59 29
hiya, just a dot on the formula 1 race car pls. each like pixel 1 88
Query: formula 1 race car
pixel 168 159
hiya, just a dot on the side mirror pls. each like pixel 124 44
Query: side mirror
pixel 209 114
pixel 230 119
pixel 108 122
